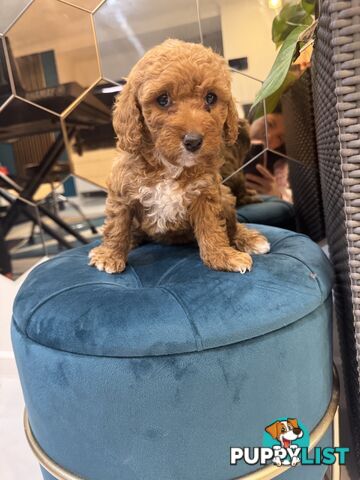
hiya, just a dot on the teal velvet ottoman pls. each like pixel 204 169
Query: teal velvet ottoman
pixel 154 373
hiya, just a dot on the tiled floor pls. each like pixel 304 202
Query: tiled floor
pixel 16 460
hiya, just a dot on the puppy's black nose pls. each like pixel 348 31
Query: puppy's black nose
pixel 192 141
pixel 297 431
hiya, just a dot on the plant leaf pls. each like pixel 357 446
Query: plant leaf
pixel 290 16
pixel 281 66
pixel 272 101
pixel 308 6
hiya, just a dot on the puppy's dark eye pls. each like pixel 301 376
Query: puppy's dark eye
pixel 164 100
pixel 210 98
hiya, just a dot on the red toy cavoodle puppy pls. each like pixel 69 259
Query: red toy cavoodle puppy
pixel 172 119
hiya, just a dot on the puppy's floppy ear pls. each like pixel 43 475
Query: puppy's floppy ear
pixel 293 422
pixel 231 126
pixel 273 429
pixel 127 121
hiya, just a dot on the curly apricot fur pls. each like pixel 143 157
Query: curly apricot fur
pixel 160 191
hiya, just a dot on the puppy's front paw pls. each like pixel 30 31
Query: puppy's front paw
pixel 105 259
pixel 251 241
pixel 229 260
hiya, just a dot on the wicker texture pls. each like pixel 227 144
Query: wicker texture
pixel 297 105
pixel 336 86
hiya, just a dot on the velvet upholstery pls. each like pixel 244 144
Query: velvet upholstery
pixel 154 373
pixel 313 473
pixel 271 211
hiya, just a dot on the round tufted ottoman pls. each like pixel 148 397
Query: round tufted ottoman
pixel 152 374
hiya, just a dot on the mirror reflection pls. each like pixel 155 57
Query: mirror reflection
pixel 77 203
pixel 10 11
pixel 92 148
pixel 5 87
pixel 24 245
pixel 126 30
pixel 89 5
pixel 33 161
pixel 19 119
pixel 52 66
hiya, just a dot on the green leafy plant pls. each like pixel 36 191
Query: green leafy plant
pixel 289 29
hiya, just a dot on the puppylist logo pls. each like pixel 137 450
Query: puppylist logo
pixel 286 443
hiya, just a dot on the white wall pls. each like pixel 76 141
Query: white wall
pixel 246 30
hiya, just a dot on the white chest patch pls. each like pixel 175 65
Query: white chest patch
pixel 166 202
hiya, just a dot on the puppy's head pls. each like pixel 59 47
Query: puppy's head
pixel 177 104
pixel 286 430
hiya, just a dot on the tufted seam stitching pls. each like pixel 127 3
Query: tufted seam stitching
pixel 59 256
pixel 292 235
pixel 308 268
pixel 137 278
pixel 195 332
pixel 53 259
pixel 77 354
pixel 167 273
pixel 73 287
pixel 197 337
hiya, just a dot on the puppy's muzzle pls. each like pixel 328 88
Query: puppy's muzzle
pixel 192 141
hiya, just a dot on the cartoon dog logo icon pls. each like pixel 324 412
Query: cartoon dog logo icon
pixel 285 432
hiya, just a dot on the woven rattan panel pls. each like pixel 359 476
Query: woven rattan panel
pixel 297 105
pixel 336 105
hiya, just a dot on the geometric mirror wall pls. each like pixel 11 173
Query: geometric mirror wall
pixel 67 54
pixel 10 10
pixel 26 243
pixel 5 85
pixel 126 30
pixel 93 147
pixel 88 5
pixel 53 53
pixel 62 62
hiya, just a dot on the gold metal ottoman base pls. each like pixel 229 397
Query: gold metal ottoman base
pixel 331 416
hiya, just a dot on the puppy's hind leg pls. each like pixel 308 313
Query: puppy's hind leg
pixel 249 240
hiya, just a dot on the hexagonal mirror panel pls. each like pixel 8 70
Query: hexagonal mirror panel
pixel 127 29
pixel 264 161
pixel 210 23
pixel 92 149
pixel 249 69
pixel 5 87
pixel 24 246
pixel 21 119
pixel 88 5
pixel 32 150
pixel 80 205
pixel 53 54
pixel 53 57
pixel 244 37
pixel 75 203
pixel 10 11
